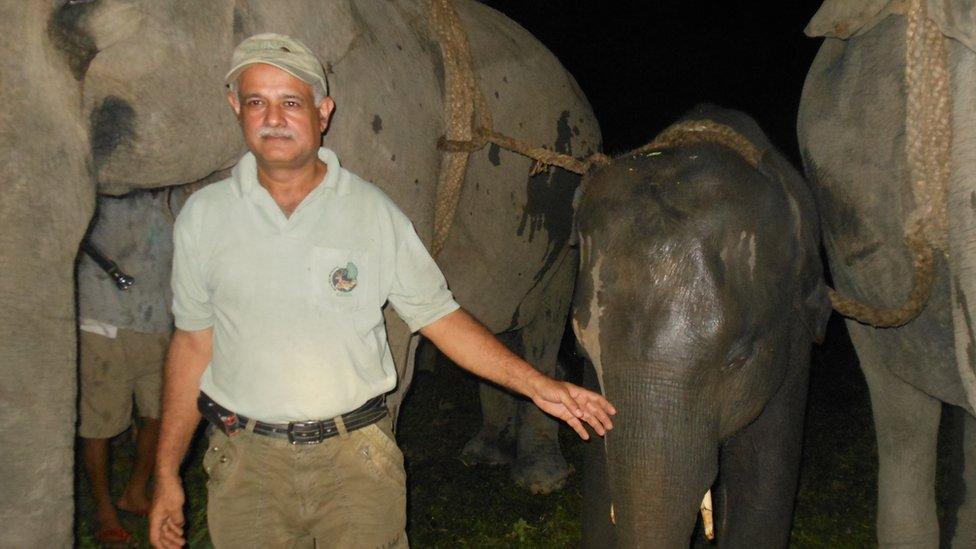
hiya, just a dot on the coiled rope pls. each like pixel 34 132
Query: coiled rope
pixel 464 134
pixel 928 137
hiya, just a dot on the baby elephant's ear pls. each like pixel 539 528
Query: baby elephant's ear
pixel 577 198
pixel 816 310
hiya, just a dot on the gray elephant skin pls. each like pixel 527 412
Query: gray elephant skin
pixel 851 128
pixel 111 95
pixel 699 295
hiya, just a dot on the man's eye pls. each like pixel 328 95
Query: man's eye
pixel 291 103
pixel 254 102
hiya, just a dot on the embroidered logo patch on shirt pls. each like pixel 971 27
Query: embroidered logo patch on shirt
pixel 343 279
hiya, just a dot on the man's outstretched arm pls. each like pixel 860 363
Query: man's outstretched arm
pixel 189 355
pixel 469 344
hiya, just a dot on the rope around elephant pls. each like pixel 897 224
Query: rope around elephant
pixel 693 132
pixel 463 135
pixel 928 137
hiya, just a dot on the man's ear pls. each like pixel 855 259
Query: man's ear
pixel 235 103
pixel 326 108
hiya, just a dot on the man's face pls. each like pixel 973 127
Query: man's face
pixel 281 123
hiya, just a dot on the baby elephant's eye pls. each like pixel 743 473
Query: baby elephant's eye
pixel 734 364
pixel 78 2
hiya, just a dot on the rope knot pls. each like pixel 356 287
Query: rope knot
pixel 479 139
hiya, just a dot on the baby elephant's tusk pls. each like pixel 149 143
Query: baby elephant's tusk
pixel 706 513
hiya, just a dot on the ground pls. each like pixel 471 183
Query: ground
pixel 452 505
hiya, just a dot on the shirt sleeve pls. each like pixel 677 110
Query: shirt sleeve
pixel 192 308
pixel 419 292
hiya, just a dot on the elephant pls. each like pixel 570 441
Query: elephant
pixel 106 96
pixel 699 296
pixel 852 130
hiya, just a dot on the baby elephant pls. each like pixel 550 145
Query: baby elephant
pixel 699 294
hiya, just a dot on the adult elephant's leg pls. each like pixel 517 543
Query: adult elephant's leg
pixel 760 466
pixel 46 200
pixel 493 444
pixel 906 422
pixel 403 347
pixel 539 465
pixel 960 527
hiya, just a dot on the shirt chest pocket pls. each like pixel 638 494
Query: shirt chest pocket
pixel 344 280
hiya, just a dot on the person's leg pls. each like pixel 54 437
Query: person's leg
pixel 252 492
pixel 94 453
pixel 145 355
pixel 355 490
pixel 105 409
pixel 135 498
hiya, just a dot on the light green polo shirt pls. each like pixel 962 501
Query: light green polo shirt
pixel 296 303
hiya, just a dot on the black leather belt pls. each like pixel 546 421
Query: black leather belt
pixel 297 432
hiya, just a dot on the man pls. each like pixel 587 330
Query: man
pixel 279 276
pixel 122 343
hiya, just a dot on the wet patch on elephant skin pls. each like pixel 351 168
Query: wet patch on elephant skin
pixel 65 28
pixel 549 203
pixel 112 124
pixel 972 200
pixel 377 124
pixel 494 155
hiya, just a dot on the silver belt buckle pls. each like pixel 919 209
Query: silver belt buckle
pixel 306 432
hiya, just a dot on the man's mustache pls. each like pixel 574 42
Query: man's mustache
pixel 276 132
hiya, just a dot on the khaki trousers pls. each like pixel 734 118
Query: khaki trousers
pixel 347 491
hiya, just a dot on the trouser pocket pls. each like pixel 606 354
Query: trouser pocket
pixel 221 459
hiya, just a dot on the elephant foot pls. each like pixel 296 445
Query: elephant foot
pixel 485 449
pixel 541 473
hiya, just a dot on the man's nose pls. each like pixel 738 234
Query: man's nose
pixel 274 116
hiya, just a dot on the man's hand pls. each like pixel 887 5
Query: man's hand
pixel 166 515
pixel 189 354
pixel 472 347
pixel 571 404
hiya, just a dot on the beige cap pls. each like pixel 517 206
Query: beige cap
pixel 280 51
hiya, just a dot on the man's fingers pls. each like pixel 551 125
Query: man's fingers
pixel 569 401
pixel 166 531
pixel 173 536
pixel 599 415
pixel 596 424
pixel 578 427
pixel 591 397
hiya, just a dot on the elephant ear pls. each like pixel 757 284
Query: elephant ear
pixel 816 309
pixel 813 302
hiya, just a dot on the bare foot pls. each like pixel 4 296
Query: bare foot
pixel 110 532
pixel 137 505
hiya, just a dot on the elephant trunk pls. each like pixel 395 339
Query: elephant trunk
pixel 662 457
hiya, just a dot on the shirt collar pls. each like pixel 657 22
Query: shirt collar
pixel 245 174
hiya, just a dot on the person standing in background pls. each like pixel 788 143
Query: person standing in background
pixel 123 338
